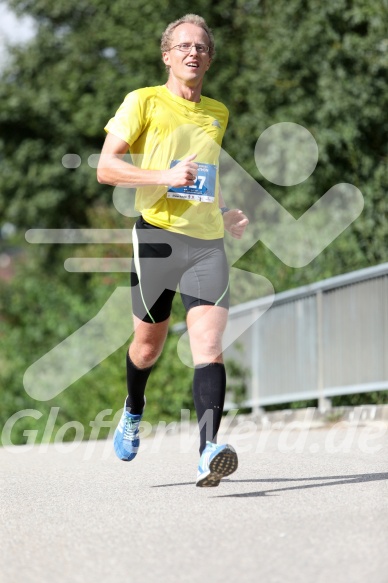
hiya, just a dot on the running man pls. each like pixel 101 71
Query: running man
pixel 174 136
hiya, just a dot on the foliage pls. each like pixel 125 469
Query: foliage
pixel 358 399
pixel 322 65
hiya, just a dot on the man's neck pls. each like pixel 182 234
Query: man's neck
pixel 189 93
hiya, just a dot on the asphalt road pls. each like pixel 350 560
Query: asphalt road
pixel 303 507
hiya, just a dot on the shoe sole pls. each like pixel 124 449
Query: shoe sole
pixel 222 465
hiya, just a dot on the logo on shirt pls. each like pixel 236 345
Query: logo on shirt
pixel 216 123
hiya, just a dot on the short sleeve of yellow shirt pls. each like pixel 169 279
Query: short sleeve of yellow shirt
pixel 160 127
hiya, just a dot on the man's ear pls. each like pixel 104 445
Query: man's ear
pixel 208 65
pixel 166 57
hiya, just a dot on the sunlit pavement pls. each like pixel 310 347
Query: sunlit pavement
pixel 304 506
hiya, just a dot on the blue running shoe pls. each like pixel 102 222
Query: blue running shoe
pixel 126 437
pixel 216 462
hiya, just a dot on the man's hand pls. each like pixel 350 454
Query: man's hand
pixel 235 222
pixel 182 174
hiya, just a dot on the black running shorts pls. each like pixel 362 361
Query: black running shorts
pixel 163 260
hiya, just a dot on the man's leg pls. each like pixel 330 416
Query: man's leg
pixel 206 325
pixel 143 352
pixel 153 283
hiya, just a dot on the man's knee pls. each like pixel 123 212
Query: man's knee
pixel 144 354
pixel 207 347
pixel 147 343
pixel 211 341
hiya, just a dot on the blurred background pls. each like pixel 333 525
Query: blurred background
pixel 65 67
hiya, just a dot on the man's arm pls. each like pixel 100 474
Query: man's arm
pixel 112 169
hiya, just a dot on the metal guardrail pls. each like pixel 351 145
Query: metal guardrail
pixel 317 341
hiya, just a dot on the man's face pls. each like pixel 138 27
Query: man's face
pixel 189 67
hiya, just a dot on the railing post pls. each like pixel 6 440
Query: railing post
pixel 255 364
pixel 323 403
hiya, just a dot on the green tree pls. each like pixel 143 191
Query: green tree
pixel 324 66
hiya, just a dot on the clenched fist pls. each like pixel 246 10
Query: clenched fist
pixel 182 174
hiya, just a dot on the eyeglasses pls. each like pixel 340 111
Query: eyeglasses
pixel 186 48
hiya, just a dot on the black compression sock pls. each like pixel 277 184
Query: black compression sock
pixel 209 397
pixel 136 384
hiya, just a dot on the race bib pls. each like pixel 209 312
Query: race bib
pixel 203 188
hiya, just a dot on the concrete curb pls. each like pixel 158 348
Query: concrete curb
pixel 313 417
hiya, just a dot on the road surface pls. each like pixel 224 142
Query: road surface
pixel 304 506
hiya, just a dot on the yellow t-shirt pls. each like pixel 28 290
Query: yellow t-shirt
pixel 160 127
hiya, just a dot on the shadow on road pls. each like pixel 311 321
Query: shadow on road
pixel 335 481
